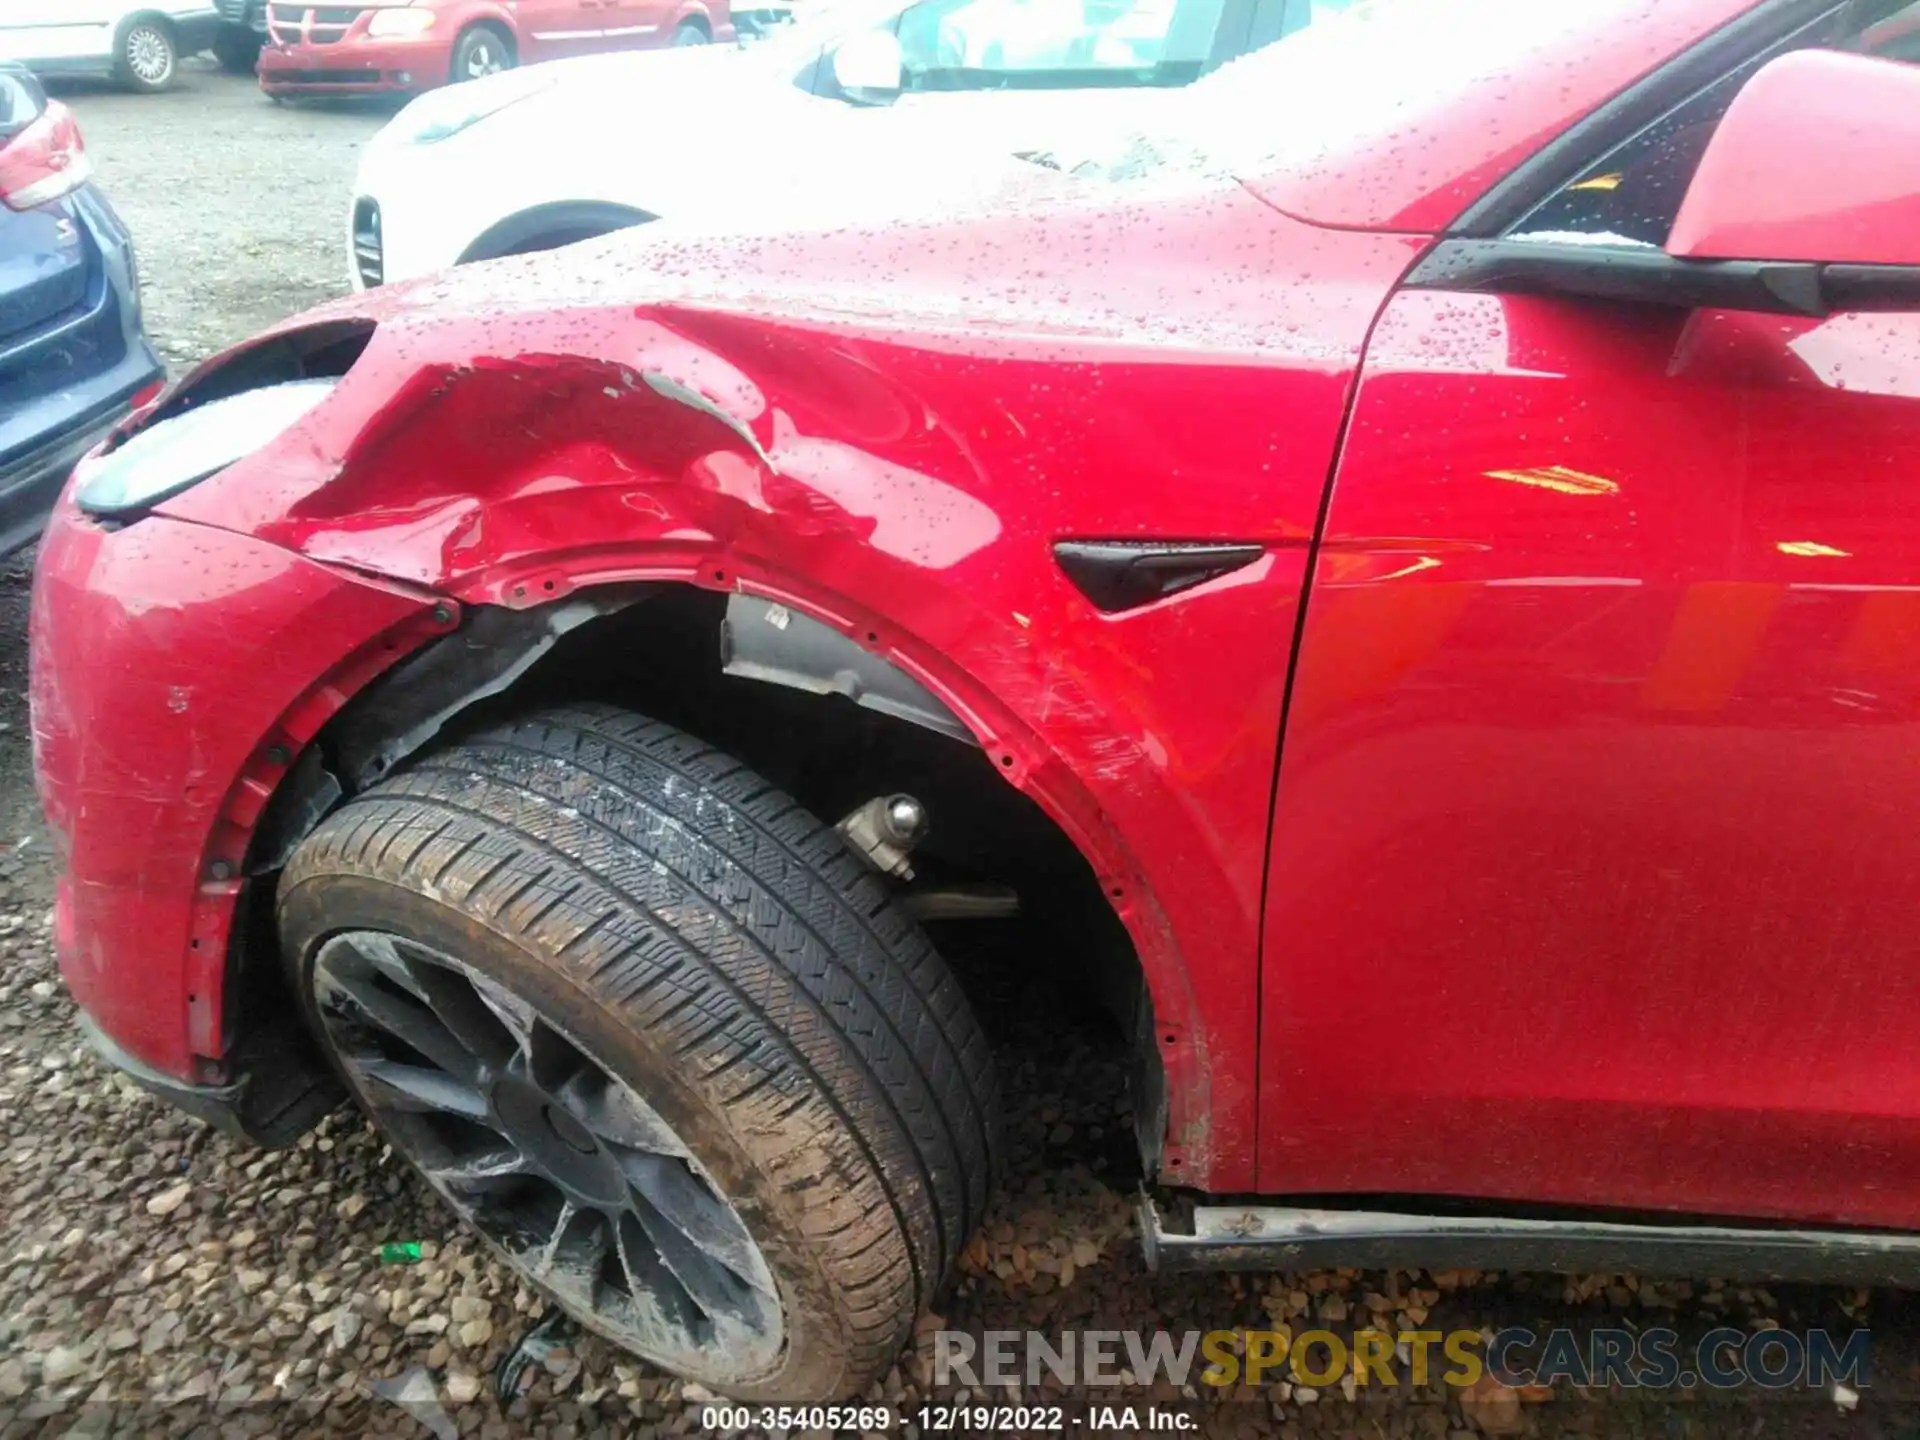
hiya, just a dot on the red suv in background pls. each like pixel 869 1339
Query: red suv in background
pixel 419 44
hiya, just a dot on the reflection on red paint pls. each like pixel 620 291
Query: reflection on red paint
pixel 1603 829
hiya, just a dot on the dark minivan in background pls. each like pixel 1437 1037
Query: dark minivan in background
pixel 73 358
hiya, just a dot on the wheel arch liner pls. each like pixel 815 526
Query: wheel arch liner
pixel 405 708
pixel 765 640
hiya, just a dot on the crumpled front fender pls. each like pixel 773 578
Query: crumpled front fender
pixel 904 481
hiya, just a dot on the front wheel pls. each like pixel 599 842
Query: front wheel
pixel 480 51
pixel 660 1037
pixel 690 33
pixel 146 57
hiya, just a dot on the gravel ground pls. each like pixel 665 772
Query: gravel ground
pixel 157 1278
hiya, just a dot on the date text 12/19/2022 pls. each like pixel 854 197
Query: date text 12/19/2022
pixel 948 1419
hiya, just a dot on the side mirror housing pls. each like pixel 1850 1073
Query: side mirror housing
pixel 1817 160
pixel 867 67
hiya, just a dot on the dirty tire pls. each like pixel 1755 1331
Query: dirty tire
pixel 722 954
pixel 691 33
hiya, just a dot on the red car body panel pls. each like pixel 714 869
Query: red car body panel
pixel 1593 797
pixel 910 494
pixel 152 745
pixel 305 55
pixel 1604 707
pixel 1419 137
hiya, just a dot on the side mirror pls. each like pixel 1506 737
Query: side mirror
pixel 1806 201
pixel 867 67
pixel 1817 161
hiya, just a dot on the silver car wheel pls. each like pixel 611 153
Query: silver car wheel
pixel 149 55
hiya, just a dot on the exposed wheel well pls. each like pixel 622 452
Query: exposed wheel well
pixel 547 227
pixel 661 656
pixel 696 22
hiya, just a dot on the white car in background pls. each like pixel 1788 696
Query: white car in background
pixel 860 103
pixel 139 45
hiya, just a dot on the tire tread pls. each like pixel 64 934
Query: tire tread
pixel 744 939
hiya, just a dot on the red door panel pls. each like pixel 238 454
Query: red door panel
pixel 635 24
pixel 555 29
pixel 1598 833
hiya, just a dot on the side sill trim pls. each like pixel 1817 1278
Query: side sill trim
pixel 1271 1237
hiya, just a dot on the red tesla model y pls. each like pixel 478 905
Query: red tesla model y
pixel 1428 548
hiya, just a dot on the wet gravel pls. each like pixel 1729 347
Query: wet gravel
pixel 156 1278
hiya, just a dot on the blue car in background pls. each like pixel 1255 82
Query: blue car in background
pixel 73 358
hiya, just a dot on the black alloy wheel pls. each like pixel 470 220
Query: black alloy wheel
pixel 569 1172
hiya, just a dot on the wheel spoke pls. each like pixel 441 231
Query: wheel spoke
pixel 371 950
pixel 513 1013
pixel 490 1023
pixel 416 1088
pixel 686 1204
pixel 720 1294
pixel 469 1016
pixel 649 1281
pixel 615 1113
pixel 575 1251
pixel 418 1027
pixel 553 1062
pixel 569 1213
pixel 538 1144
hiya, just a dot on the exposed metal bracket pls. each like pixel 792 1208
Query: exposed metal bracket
pixel 884 831
pixel 1271 1237
pixel 763 640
